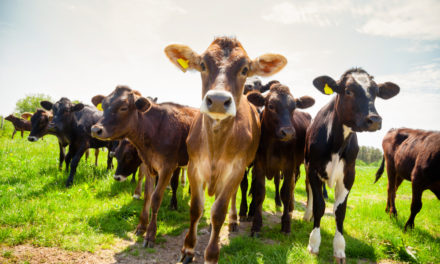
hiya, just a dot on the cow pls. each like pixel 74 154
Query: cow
pixel 413 155
pixel 158 131
pixel 224 136
pixel 19 124
pixel 72 122
pixel 281 148
pixel 332 147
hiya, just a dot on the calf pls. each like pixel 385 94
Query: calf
pixel 19 124
pixel 224 136
pixel 158 131
pixel 412 155
pixel 281 148
pixel 72 123
pixel 129 162
pixel 331 145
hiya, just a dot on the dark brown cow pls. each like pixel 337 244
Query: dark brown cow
pixel 20 124
pixel 332 147
pixel 158 131
pixel 224 137
pixel 281 148
pixel 412 155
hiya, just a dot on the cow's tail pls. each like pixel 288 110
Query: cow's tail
pixel 380 170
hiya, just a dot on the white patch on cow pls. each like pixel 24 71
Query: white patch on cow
pixel 347 131
pixel 309 210
pixel 120 178
pixel 136 196
pixel 314 241
pixel 362 79
pixel 230 111
pixel 340 193
pixel 335 169
pixel 329 129
pixel 339 245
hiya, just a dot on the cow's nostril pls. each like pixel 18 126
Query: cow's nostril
pixel 208 101
pixel 283 133
pixel 369 121
pixel 228 102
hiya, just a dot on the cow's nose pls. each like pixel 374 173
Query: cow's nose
pixel 374 122
pixel 96 130
pixel 32 139
pixel 286 133
pixel 111 154
pixel 218 104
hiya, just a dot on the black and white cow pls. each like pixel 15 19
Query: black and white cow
pixel 331 145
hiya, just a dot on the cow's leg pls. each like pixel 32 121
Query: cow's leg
pixel 295 179
pixel 174 184
pixel 13 133
pixel 156 200
pixel 69 157
pixel 182 177
pixel 138 191
pixel 96 157
pixel 218 214
pixel 109 161
pixel 62 156
pixel 308 214
pixel 318 211
pixel 391 189
pixel 87 154
pixel 286 197
pixel 342 188
pixel 233 220
pixel 133 177
pixel 148 190
pixel 251 210
pixel 258 195
pixel 75 160
pixel 21 133
pixel 276 180
pixel 196 209
pixel 392 205
pixel 416 203
pixel 243 205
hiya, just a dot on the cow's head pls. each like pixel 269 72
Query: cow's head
pixel 279 106
pixel 120 113
pixel 10 117
pixel 128 160
pixel 224 67
pixel 356 92
pixel 63 113
pixel 40 122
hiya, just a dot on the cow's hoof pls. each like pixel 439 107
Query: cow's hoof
pixel 339 260
pixel 136 196
pixel 408 225
pixel 243 218
pixel 233 227
pixel 139 231
pixel 255 234
pixel 185 259
pixel 148 244
pixel 173 207
pixel 312 251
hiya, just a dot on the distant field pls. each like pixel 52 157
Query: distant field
pixel 98 213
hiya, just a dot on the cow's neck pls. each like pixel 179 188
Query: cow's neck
pixel 337 133
pixel 144 128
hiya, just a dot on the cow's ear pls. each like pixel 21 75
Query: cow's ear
pixel 155 99
pixel 97 99
pixel 183 57
pixel 77 107
pixel 388 90
pixel 304 102
pixel 327 85
pixel 142 104
pixel 26 115
pixel 267 86
pixel 46 105
pixel 256 98
pixel 267 65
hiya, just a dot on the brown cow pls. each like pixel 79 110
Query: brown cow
pixel 412 155
pixel 281 149
pixel 20 124
pixel 158 131
pixel 224 137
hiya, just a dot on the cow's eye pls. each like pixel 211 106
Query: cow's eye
pixel 348 92
pixel 202 65
pixel 123 109
pixel 245 71
pixel 271 107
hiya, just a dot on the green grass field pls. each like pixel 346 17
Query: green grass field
pixel 37 209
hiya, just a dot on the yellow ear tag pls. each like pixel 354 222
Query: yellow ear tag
pixel 99 106
pixel 183 63
pixel 327 89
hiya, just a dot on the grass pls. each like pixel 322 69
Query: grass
pixel 36 209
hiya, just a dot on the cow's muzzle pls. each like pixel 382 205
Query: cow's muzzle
pixel 218 104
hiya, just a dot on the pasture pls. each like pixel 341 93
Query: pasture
pixel 94 220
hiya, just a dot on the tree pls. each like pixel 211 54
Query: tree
pixel 30 103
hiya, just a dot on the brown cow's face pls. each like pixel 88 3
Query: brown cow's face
pixel 40 123
pixel 279 106
pixel 357 92
pixel 128 160
pixel 224 67
pixel 120 108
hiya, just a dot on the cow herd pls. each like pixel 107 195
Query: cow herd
pixel 242 125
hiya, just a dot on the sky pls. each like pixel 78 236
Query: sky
pixel 78 49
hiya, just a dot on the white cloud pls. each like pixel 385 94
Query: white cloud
pixel 402 19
